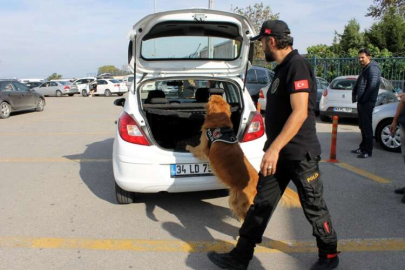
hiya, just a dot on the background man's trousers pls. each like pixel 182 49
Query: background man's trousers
pixel 365 112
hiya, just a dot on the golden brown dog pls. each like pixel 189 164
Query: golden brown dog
pixel 229 163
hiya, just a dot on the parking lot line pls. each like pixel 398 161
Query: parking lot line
pixel 363 173
pixel 52 160
pixel 349 245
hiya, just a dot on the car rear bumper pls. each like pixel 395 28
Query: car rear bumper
pixel 146 169
pixel 331 113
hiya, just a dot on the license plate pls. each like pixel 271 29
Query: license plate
pixel 189 170
pixel 347 110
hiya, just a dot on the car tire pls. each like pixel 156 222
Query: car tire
pixel 40 105
pixel 84 93
pixel 383 131
pixel 120 94
pixel 70 95
pixel 324 118
pixel 107 93
pixel 5 110
pixel 58 93
pixel 123 196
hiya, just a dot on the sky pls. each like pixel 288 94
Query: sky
pixel 76 37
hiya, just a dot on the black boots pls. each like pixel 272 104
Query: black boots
pixel 326 264
pixel 226 261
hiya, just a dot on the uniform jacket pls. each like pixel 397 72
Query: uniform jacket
pixel 368 84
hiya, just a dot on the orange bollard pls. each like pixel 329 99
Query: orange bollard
pixel 258 107
pixel 332 157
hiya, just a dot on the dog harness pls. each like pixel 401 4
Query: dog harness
pixel 224 134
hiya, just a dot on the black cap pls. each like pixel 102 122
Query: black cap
pixel 272 28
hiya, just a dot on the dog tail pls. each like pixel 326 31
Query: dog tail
pixel 290 199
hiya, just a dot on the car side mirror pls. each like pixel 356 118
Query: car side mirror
pixel 119 102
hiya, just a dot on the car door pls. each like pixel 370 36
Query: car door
pixel 14 97
pixel 53 87
pixel 27 96
pixel 102 85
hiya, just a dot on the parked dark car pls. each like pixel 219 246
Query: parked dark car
pixel 33 84
pixel 15 96
pixel 258 79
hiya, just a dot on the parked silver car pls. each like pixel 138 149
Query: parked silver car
pixel 56 89
pixel 382 120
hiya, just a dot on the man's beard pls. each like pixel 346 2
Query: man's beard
pixel 269 55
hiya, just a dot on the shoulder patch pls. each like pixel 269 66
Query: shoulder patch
pixel 300 85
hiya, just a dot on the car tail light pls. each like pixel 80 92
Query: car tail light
pixel 117 85
pixel 325 92
pixel 255 129
pixel 261 95
pixel 130 131
pixel 66 88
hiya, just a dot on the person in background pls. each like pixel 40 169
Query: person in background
pixel 365 93
pixel 93 87
pixel 399 118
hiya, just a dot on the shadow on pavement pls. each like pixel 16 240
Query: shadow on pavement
pixel 197 217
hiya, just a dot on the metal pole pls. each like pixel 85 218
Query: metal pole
pixel 210 44
pixel 154 40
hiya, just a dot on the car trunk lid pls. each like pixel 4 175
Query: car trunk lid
pixel 194 41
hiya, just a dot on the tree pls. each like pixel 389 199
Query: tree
pixel 351 38
pixel 381 7
pixel 54 76
pixel 322 51
pixel 257 15
pixel 108 69
pixel 388 33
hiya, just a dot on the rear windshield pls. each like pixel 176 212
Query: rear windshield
pixel 64 83
pixel 186 91
pixel 115 81
pixel 190 47
pixel 343 84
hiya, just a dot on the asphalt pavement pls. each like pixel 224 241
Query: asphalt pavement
pixel 58 207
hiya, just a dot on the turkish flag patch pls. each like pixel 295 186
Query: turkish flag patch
pixel 303 84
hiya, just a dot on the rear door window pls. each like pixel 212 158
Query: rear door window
pixel 21 87
pixel 251 76
pixel 7 87
pixel 262 77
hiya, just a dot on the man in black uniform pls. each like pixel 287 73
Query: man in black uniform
pixel 292 153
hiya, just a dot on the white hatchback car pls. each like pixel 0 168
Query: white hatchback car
pixel 186 49
pixel 337 97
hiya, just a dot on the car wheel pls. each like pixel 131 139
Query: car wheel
pixel 5 110
pixel 84 93
pixel 70 95
pixel 40 105
pixel 120 94
pixel 324 118
pixel 123 196
pixel 386 140
pixel 107 93
pixel 58 93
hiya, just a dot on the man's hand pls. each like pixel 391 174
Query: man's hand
pixel 393 127
pixel 269 162
pixel 402 97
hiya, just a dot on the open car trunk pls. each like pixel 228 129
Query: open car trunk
pixel 175 126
